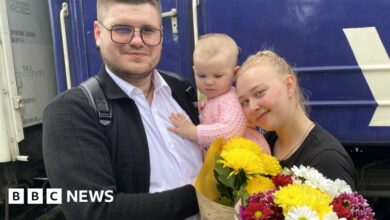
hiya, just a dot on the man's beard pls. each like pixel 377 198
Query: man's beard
pixel 129 75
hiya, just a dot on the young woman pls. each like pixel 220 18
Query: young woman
pixel 271 99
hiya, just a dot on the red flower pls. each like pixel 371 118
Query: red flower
pixel 256 211
pixel 342 208
pixel 281 180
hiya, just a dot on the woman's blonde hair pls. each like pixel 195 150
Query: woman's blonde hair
pixel 281 67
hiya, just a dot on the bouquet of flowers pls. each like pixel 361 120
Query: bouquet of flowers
pixel 232 170
pixel 237 173
pixel 304 193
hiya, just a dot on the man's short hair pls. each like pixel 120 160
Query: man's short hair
pixel 102 5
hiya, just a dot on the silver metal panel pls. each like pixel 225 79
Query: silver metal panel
pixel 33 56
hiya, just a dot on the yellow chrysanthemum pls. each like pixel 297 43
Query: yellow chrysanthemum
pixel 241 143
pixel 271 164
pixel 244 159
pixel 303 195
pixel 259 184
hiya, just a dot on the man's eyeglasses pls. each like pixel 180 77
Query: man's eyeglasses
pixel 123 34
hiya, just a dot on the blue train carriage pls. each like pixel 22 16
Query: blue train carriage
pixel 340 49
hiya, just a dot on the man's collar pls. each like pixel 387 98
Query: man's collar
pixel 111 89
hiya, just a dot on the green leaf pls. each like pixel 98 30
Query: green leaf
pixel 225 201
pixel 231 188
pixel 222 173
pixel 240 180
pixel 243 195
pixel 224 190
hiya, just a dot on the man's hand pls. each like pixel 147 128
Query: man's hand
pixel 183 127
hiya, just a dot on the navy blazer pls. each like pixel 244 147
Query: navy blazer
pixel 79 153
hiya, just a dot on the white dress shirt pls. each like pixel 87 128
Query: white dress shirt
pixel 174 161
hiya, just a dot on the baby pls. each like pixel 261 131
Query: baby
pixel 215 66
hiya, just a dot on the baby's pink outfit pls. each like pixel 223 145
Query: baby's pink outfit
pixel 223 116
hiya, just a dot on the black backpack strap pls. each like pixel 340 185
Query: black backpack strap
pixel 184 93
pixel 190 90
pixel 97 99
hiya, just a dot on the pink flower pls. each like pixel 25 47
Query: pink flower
pixel 263 202
pixel 352 206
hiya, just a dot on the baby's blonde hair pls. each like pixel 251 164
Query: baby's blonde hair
pixel 211 45
pixel 280 65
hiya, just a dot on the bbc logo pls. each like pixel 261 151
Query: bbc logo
pixel 34 196
pixel 54 196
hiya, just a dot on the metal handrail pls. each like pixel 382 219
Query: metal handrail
pixel 195 4
pixel 170 13
pixel 63 14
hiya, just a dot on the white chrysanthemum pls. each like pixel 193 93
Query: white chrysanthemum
pixel 307 173
pixel 299 171
pixel 311 177
pixel 301 212
pixel 338 186
pixel 297 174
pixel 317 180
pixel 332 216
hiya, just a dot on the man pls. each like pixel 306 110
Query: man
pixel 149 169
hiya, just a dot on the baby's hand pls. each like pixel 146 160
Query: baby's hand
pixel 183 127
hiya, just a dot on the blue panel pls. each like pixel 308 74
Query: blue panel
pixel 170 57
pixel 77 48
pixel 79 57
pixel 177 48
pixel 309 34
pixel 94 60
pixel 55 8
